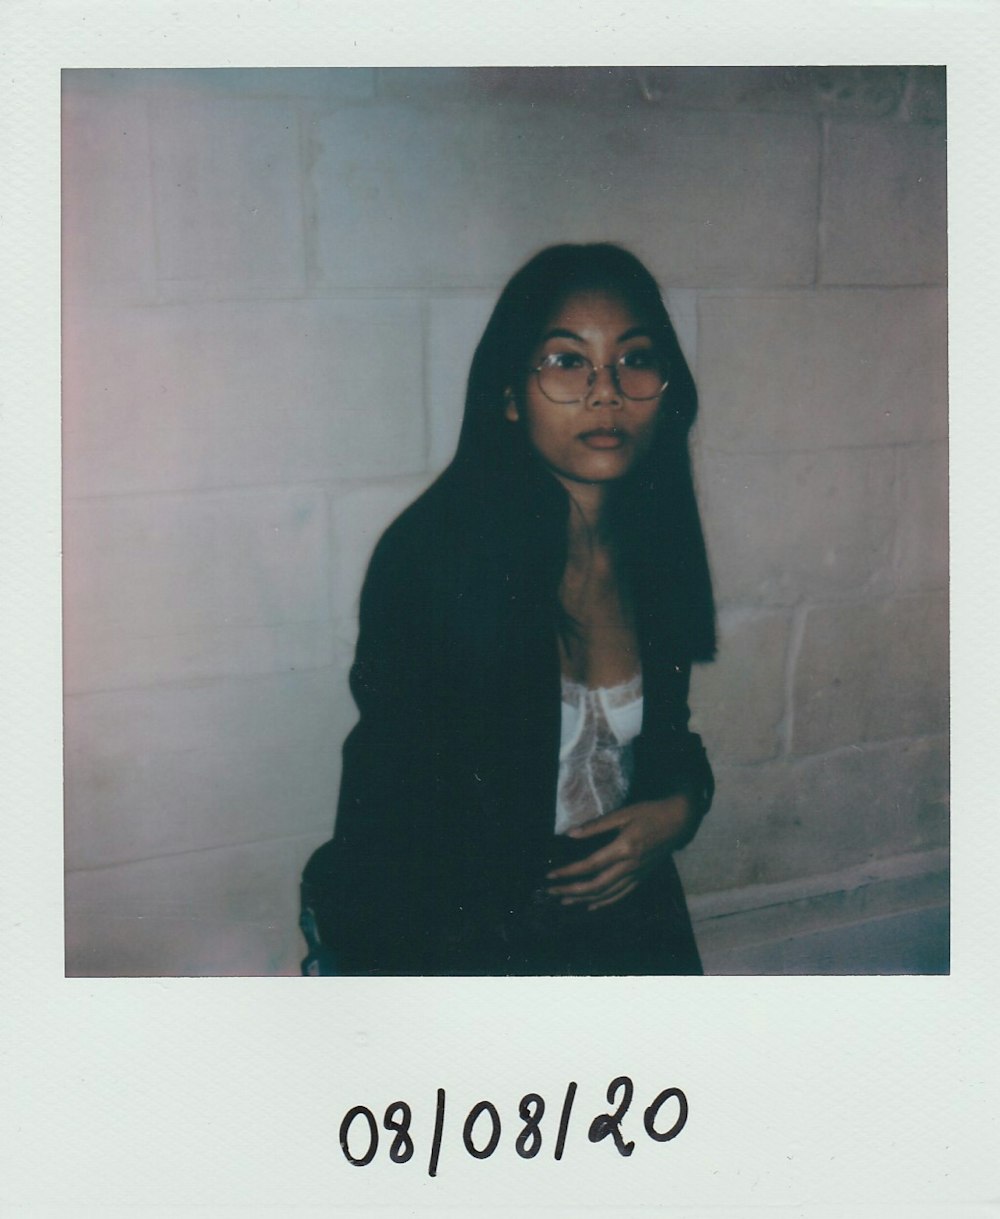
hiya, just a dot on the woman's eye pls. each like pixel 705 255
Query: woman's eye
pixel 642 357
pixel 564 360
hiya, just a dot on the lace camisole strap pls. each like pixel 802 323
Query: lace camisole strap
pixel 595 752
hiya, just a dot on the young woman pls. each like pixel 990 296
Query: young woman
pixel 522 770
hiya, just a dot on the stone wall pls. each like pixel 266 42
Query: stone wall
pixel 273 284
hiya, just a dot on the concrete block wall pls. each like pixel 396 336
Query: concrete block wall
pixel 273 284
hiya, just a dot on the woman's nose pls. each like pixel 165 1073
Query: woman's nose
pixel 604 389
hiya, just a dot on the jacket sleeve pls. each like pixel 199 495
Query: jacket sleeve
pixel 377 877
pixel 670 758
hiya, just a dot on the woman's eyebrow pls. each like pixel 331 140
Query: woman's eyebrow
pixel 634 332
pixel 562 334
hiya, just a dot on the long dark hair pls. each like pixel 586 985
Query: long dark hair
pixel 519 512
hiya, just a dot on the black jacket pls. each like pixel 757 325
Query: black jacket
pixel 444 826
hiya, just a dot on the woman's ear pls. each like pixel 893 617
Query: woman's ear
pixel 510 406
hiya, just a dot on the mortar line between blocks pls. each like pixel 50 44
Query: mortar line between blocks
pixel 158 856
pixel 310 253
pixel 426 406
pixel 154 211
pixel 787 726
pixel 821 164
pixel 895 543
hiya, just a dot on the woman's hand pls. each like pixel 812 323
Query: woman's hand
pixel 646 832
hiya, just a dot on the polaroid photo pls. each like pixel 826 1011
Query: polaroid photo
pixel 633 411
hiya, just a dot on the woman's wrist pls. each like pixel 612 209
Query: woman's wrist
pixel 686 813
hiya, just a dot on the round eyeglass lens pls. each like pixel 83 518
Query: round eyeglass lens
pixel 640 375
pixel 568 376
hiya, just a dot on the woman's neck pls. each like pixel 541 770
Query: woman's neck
pixel 601 648
pixel 587 521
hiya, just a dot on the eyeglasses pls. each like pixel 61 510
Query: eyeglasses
pixel 568 376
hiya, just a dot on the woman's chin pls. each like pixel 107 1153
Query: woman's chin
pixel 604 468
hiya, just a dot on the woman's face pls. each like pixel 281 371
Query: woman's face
pixel 601 437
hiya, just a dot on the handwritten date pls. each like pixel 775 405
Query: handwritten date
pixel 483 1128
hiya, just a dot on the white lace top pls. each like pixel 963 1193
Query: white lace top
pixel 595 751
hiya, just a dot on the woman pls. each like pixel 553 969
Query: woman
pixel 522 769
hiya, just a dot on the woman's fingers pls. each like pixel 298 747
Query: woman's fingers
pixel 644 831
pixel 596 886
pixel 583 867
pixel 603 857
pixel 610 892
pixel 616 896
pixel 601 825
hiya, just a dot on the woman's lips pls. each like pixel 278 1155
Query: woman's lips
pixel 603 438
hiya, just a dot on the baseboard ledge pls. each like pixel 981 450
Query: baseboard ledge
pixel 884 916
